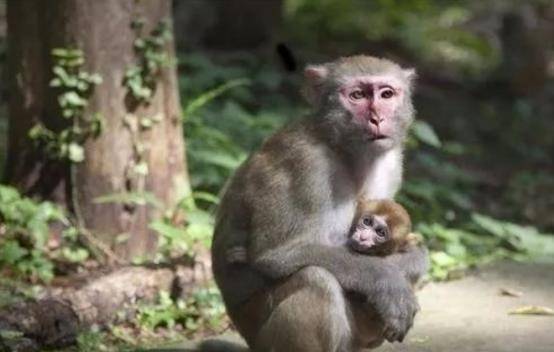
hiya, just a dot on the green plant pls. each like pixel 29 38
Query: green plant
pixel 152 55
pixel 24 235
pixel 203 309
pixel 140 80
pixel 441 202
pixel 435 32
pixel 74 87
pixel 220 134
pixel 92 341
pixel 185 226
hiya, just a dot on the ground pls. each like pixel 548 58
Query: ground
pixel 471 315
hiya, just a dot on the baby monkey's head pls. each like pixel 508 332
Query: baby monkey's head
pixel 380 227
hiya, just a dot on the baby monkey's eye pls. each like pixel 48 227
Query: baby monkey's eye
pixel 367 221
pixel 382 231
pixel 357 95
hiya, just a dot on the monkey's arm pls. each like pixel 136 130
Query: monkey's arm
pixel 381 282
pixel 413 261
pixel 355 272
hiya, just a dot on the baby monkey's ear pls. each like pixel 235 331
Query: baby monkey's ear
pixel 314 77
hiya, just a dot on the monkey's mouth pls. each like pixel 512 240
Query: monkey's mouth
pixel 378 137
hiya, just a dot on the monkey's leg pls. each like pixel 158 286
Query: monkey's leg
pixel 368 326
pixel 310 315
pixel 304 313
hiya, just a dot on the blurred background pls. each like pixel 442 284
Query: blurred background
pixel 104 164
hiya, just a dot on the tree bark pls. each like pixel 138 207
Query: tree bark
pixel 102 29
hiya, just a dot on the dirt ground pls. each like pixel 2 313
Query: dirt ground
pixel 471 315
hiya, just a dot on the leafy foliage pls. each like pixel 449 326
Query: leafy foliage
pixel 185 227
pixel 203 309
pixel 92 341
pixel 434 31
pixel 442 205
pixel 241 113
pixel 74 86
pixel 25 232
pixel 152 55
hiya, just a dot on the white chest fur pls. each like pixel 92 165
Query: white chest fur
pixel 383 178
pixel 338 222
pixel 380 180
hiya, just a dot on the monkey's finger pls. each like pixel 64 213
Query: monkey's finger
pixel 387 333
pixel 391 334
pixel 402 335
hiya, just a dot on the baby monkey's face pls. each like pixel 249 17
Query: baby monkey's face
pixel 369 232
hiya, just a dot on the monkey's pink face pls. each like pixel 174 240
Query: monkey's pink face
pixel 370 231
pixel 373 102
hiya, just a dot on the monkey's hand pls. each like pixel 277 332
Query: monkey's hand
pixel 413 262
pixel 394 300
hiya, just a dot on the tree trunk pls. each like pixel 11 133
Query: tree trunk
pixel 103 30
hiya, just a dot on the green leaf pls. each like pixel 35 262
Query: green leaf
pixel 71 98
pixel 205 98
pixel 95 78
pixel 76 153
pixel 11 252
pixel 167 230
pixel 425 133
pixel 226 161
pixel 146 122
pixel 141 168
pixel 75 255
pixel 60 72
pixel 206 196
pixel 55 82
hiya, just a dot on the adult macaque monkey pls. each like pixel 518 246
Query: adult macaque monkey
pixel 293 202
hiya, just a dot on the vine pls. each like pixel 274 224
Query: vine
pixel 140 81
pixel 153 56
pixel 75 87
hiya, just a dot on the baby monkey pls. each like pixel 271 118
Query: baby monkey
pixel 380 227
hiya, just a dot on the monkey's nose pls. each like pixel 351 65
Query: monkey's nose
pixel 362 236
pixel 375 119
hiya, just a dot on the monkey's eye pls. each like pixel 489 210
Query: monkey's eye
pixel 357 95
pixel 387 94
pixel 367 221
pixel 382 231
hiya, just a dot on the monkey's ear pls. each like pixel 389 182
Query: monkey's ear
pixel 410 74
pixel 314 76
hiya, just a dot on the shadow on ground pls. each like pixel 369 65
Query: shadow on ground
pixel 467 315
pixel 224 343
